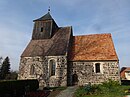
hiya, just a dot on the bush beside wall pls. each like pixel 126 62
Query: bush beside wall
pixel 18 86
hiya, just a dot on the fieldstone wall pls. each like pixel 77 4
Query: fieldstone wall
pixel 60 78
pixel 25 69
pixel 86 72
pixel 41 70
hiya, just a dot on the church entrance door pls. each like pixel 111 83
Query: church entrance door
pixel 74 79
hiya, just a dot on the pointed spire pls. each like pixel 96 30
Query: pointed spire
pixel 46 16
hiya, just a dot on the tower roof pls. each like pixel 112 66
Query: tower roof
pixel 50 47
pixel 45 17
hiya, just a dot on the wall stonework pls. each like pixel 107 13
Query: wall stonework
pixel 63 73
pixel 41 71
pixel 86 72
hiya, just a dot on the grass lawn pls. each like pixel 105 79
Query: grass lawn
pixel 117 92
pixel 107 89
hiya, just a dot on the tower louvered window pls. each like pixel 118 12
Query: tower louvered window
pixel 41 29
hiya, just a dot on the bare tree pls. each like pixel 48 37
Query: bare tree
pixel 1 60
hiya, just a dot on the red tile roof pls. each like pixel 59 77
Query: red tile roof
pixel 93 47
pixel 122 73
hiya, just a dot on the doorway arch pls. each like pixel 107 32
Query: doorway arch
pixel 74 79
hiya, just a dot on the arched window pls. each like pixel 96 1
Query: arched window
pixel 32 70
pixel 97 67
pixel 52 67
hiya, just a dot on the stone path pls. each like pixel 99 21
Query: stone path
pixel 68 92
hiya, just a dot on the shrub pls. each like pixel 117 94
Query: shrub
pixel 110 83
pixel 110 86
pixel 80 92
pixel 18 87
pixel 106 88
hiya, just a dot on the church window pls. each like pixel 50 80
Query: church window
pixel 32 70
pixel 52 67
pixel 97 67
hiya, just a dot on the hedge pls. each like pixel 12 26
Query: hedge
pixel 125 82
pixel 18 87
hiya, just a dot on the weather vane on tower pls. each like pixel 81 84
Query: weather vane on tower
pixel 49 9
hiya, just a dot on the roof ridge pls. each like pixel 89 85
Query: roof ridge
pixel 66 27
pixel 93 34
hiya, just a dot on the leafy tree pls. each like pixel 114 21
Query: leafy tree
pixel 5 68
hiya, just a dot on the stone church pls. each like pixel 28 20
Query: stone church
pixel 56 57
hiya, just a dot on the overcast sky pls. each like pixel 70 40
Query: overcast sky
pixel 85 16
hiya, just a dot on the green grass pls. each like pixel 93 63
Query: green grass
pixel 118 91
pixel 107 89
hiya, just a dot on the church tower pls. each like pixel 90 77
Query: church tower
pixel 45 57
pixel 44 27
